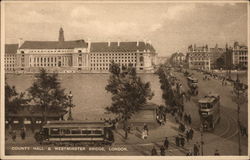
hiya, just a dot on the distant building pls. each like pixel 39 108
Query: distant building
pixel 161 60
pixel 79 55
pixel 228 58
pixel 239 55
pixel 215 53
pixel 178 59
pixel 198 57
pixel 236 56
pixel 10 57
pixel 139 54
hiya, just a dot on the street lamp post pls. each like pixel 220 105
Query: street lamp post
pixel 70 106
pixel 237 87
pixel 202 142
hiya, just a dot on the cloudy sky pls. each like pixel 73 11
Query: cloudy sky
pixel 170 27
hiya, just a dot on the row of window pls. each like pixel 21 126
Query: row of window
pixel 108 64
pixel 98 61
pixel 113 57
pixel 243 58
pixel 9 61
pixel 10 58
pixel 51 61
pixel 57 131
pixel 113 54
pixel 199 59
pixel 9 65
pixel 199 63
pixel 49 51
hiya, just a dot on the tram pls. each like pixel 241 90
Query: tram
pixel 193 85
pixel 75 132
pixel 209 110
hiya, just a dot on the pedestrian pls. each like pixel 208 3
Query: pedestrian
pixel 185 117
pixel 189 153
pixel 164 117
pixel 177 141
pixel 216 153
pixel 244 131
pixel 181 115
pixel 153 151
pixel 145 127
pixel 162 149
pixel 176 119
pixel 187 135
pixel 14 136
pixel 191 133
pixel 182 139
pixel 144 134
pixel 166 143
pixel 196 150
pixel 22 134
pixel 189 119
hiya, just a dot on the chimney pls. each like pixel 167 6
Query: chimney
pixel 109 43
pixel 20 42
pixel 149 42
pixel 89 44
pixel 137 43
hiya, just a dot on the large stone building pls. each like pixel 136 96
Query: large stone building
pixel 79 55
pixel 215 53
pixel 198 57
pixel 206 58
pixel 10 57
pixel 239 55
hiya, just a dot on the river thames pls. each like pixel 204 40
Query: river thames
pixel 89 94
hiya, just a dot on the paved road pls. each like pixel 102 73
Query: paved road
pixel 224 136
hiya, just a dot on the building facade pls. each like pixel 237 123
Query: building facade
pixel 178 59
pixel 79 55
pixel 239 54
pixel 199 57
pixel 215 53
pixel 10 57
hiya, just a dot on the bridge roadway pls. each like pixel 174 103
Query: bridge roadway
pixel 225 135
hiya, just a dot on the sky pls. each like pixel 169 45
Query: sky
pixel 170 27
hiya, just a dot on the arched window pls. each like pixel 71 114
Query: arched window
pixel 141 59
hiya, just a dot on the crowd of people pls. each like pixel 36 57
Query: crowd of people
pixel 13 133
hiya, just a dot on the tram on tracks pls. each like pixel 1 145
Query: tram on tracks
pixel 209 110
pixel 75 133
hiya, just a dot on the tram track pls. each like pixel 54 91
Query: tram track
pixel 232 129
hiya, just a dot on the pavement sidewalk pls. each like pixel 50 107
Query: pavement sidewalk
pixel 157 136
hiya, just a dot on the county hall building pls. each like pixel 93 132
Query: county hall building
pixel 77 55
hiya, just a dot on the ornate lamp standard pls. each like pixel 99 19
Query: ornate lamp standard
pixel 70 96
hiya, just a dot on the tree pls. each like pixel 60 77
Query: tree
pixel 47 94
pixel 220 62
pixel 14 100
pixel 129 93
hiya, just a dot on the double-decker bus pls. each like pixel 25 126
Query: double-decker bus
pixel 209 110
pixel 75 132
